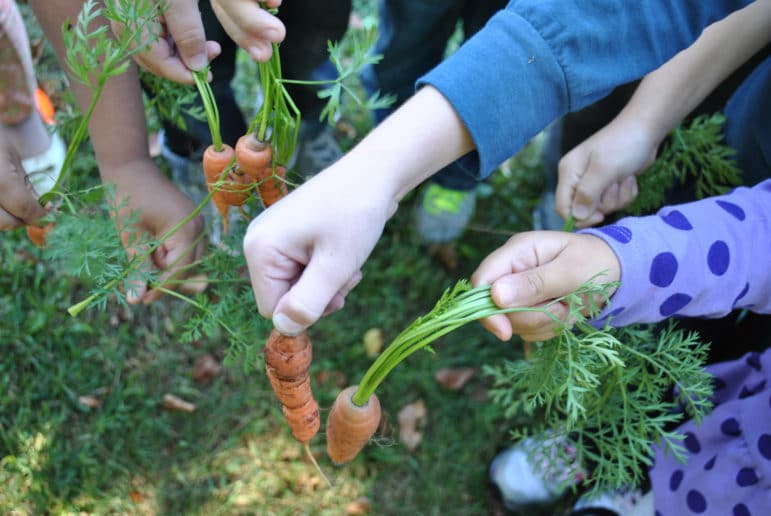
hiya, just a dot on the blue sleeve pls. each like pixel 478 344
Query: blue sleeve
pixel 701 259
pixel 537 60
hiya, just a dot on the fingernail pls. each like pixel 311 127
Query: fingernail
pixel 286 326
pixel 580 211
pixel 198 62
pixel 256 53
pixel 504 294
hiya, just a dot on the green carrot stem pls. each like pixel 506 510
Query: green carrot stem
pixel 210 106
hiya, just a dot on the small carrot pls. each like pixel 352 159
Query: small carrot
pixel 273 187
pixel 287 363
pixel 253 156
pixel 37 234
pixel 214 163
pixel 349 426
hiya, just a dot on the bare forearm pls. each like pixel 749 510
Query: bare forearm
pixel 668 94
pixel 117 127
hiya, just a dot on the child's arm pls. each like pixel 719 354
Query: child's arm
pixel 597 177
pixel 701 259
pixel 533 61
pixel 118 133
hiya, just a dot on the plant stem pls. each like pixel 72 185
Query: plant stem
pixel 210 106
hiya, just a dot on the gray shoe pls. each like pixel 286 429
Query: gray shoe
pixel 317 149
pixel 441 214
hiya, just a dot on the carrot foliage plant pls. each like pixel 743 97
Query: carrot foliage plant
pixel 607 390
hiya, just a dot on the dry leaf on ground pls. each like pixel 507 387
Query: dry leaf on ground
pixel 90 401
pixel 171 402
pixel 361 505
pixel 206 368
pixel 373 342
pixel 411 417
pixel 454 379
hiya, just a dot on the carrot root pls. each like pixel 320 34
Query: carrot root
pixel 349 426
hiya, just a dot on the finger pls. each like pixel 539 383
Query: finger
pixel 522 252
pixel 499 326
pixel 184 23
pixel 17 197
pixel 628 192
pixel 306 301
pixel 136 280
pixel 589 190
pixel 609 199
pixel 173 259
pixel 338 301
pixel 539 325
pixel 535 286
pixel 595 218
pixel 569 169
pixel 252 28
pixel 8 221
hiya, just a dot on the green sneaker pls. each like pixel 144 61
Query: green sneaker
pixel 442 214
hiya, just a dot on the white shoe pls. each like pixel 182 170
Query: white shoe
pixel 43 170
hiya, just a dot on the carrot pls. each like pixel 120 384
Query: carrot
pixel 272 188
pixel 349 426
pixel 214 163
pixel 287 363
pixel 253 156
pixel 37 234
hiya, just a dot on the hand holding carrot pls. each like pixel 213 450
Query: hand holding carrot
pixel 18 201
pixel 535 267
pixel 303 267
pixel 182 45
pixel 598 176
pixel 160 206
pixel 252 28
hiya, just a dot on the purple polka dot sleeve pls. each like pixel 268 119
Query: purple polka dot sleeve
pixel 701 259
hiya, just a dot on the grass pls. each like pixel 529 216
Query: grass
pixel 234 454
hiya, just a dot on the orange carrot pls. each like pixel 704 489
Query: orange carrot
pixel 214 163
pixel 253 156
pixel 287 363
pixel 349 426
pixel 272 188
pixel 37 234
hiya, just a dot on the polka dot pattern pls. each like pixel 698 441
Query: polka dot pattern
pixel 692 443
pixel 742 293
pixel 663 270
pixel 753 360
pixel 696 501
pixel 718 384
pixel 751 390
pixel 764 446
pixel 746 477
pixel 730 427
pixel 675 480
pixel 718 258
pixel 677 220
pixel 673 304
pixel 734 209
pixel 741 510
pixel 710 463
pixel 618 233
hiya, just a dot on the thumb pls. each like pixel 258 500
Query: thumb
pixel 534 286
pixel 309 298
pixel 183 20
pixel 589 190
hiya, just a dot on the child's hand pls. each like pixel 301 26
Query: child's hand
pixel 598 176
pixel 161 206
pixel 305 252
pixel 181 45
pixel 18 202
pixel 250 26
pixel 534 268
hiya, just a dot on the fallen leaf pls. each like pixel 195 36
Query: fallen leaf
pixel 361 505
pixel 195 284
pixel 454 379
pixel 171 402
pixel 373 342
pixel 333 377
pixel 136 496
pixel 206 368
pixel 411 417
pixel 90 401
